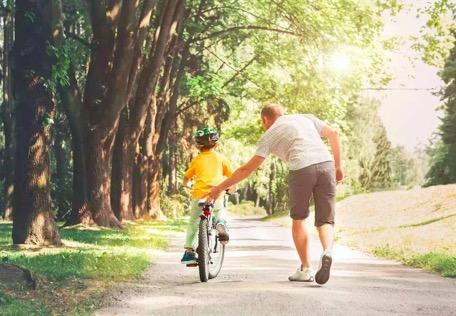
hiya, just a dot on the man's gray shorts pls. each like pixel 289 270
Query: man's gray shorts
pixel 319 180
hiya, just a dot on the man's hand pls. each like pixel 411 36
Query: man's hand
pixel 232 190
pixel 214 194
pixel 339 175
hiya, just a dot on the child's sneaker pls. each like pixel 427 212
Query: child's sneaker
pixel 188 257
pixel 223 235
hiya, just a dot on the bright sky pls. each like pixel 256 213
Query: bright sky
pixel 410 117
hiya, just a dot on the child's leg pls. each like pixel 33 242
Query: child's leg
pixel 192 228
pixel 219 211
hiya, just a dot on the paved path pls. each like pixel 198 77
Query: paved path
pixel 254 281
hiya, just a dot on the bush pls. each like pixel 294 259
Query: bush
pixel 175 206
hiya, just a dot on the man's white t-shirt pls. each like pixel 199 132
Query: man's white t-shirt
pixel 296 140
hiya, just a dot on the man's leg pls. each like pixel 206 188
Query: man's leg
pixel 301 241
pixel 300 184
pixel 326 234
pixel 324 194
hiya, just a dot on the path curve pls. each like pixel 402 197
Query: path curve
pixel 254 281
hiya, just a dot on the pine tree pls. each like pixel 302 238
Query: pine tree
pixel 443 169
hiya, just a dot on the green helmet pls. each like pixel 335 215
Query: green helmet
pixel 206 137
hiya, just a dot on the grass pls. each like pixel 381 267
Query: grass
pixel 71 279
pixel 246 208
pixel 439 262
pixel 10 306
pixel 416 227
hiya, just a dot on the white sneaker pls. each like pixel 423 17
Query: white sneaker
pixel 304 275
pixel 324 268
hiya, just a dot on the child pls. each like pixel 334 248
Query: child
pixel 207 169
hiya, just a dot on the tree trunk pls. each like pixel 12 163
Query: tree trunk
pixel 122 173
pixel 60 170
pixel 140 186
pixel 71 101
pixel 172 165
pixel 270 206
pixel 33 219
pixel 153 189
pixel 8 114
pixel 98 162
pixel 71 98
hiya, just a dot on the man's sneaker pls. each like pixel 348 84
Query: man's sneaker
pixel 223 235
pixel 188 257
pixel 324 268
pixel 302 275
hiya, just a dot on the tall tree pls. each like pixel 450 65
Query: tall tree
pixel 144 100
pixel 7 111
pixel 33 218
pixel 443 161
pixel 124 63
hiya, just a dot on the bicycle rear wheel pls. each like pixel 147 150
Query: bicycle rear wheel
pixel 203 250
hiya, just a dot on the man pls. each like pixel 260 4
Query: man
pixel 296 139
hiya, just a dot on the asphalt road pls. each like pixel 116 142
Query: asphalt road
pixel 254 281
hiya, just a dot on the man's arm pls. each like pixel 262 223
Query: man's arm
pixel 336 147
pixel 239 175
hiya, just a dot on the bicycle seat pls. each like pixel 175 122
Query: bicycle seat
pixel 202 203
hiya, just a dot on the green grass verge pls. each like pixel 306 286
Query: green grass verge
pixel 91 260
pixel 433 261
pixel 246 208
pixel 10 306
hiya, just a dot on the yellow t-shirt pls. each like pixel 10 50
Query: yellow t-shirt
pixel 209 169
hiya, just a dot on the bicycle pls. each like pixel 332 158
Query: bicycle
pixel 210 250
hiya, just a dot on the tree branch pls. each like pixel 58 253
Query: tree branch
pixel 239 71
pixel 248 27
pixel 78 38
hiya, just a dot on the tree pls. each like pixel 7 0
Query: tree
pixel 381 165
pixel 7 111
pixel 443 162
pixel 33 219
pixel 123 71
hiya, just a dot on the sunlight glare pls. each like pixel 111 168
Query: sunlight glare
pixel 339 62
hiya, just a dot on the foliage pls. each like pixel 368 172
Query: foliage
pixel 443 153
pixel 175 206
pixel 407 169
pixel 437 36
pixel 443 164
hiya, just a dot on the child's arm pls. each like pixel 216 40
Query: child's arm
pixel 186 182
pixel 189 174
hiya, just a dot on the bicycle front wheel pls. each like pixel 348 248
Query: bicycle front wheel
pixel 203 250
pixel 216 253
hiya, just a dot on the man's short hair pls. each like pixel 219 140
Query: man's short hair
pixel 272 110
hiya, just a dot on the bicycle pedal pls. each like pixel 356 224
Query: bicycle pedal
pixel 191 265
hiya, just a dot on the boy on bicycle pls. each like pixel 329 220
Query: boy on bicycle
pixel 208 169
